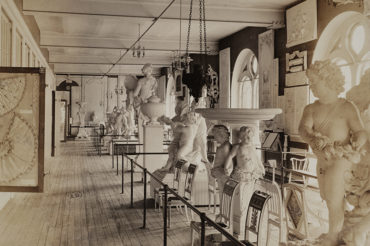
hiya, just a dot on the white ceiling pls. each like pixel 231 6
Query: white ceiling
pixel 87 36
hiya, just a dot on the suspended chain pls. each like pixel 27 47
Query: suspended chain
pixel 200 27
pixel 204 26
pixel 189 26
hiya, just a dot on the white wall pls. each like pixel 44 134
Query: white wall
pixel 18 24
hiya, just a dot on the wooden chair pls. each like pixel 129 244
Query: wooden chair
pixel 159 192
pixel 173 200
pixel 226 211
pixel 298 165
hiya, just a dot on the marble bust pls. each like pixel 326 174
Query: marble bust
pixel 335 132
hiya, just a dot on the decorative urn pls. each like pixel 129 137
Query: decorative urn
pixel 153 109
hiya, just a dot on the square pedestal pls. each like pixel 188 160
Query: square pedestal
pixel 153 142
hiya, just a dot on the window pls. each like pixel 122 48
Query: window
pixel 18 49
pixel 6 40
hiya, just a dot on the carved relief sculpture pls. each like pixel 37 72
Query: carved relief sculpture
pixel 301 23
pixel 334 130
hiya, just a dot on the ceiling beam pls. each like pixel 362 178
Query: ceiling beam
pixel 59 40
pixel 50 46
pixel 143 17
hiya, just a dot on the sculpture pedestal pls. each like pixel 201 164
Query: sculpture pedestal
pixel 236 117
pixel 153 142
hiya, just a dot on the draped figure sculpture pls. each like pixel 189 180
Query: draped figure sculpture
pixel 146 87
pixel 334 130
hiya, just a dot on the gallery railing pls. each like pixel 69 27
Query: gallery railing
pixel 203 217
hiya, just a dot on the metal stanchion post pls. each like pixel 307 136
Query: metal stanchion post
pixel 132 184
pixel 117 162
pixel 202 229
pixel 123 176
pixel 165 215
pixel 144 213
pixel 113 149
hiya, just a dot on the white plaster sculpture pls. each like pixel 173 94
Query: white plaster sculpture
pixel 357 221
pixel 248 169
pixel 181 109
pixel 120 122
pixel 334 130
pixel 81 115
pixel 146 87
pixel 111 119
pixel 222 137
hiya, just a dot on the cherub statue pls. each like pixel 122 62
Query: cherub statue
pixel 334 130
pixel 357 178
pixel 222 137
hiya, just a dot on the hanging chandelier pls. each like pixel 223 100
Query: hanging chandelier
pixel 198 77
pixel 138 50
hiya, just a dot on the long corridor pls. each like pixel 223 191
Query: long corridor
pixel 82 204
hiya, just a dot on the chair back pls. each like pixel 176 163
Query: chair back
pixel 189 181
pixel 177 173
pixel 299 164
pixel 226 203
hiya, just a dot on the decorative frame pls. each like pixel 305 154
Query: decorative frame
pixel 22 111
pixel 296 65
pixel 301 23
pixel 296 99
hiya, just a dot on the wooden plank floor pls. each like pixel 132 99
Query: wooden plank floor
pixel 82 205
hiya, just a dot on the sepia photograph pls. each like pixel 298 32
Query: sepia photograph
pixel 185 122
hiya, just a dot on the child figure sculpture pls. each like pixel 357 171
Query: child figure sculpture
pixel 249 168
pixel 333 129
pixel 222 136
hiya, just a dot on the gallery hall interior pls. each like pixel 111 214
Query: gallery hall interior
pixel 185 122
